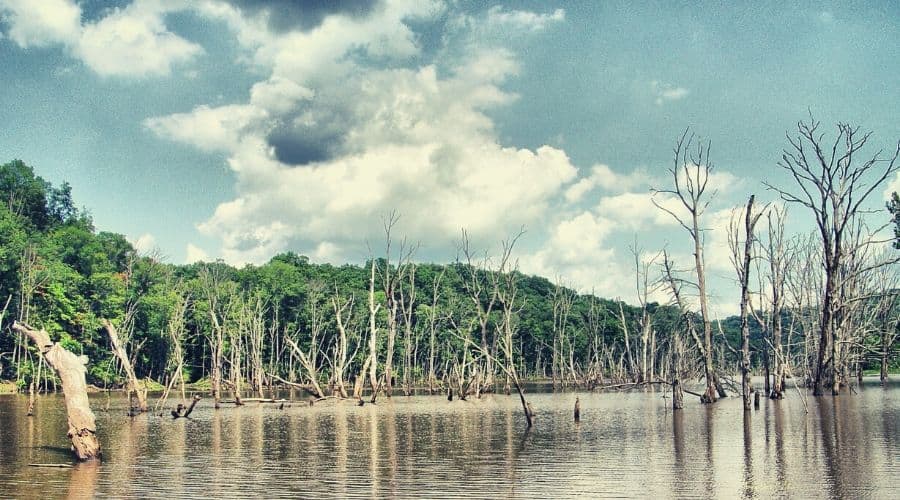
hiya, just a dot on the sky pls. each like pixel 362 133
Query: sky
pixel 239 129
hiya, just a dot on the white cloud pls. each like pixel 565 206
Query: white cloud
pixel 892 187
pixel 134 42
pixel 522 20
pixel 577 250
pixel 41 23
pixel 665 92
pixel 131 42
pixel 397 139
pixel 193 254
pixel 145 243
pixel 209 129
pixel 605 178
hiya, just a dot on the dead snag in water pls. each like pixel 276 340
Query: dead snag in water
pixel 118 348
pixel 741 260
pixel 71 370
pixel 690 175
pixel 184 412
pixel 677 395
pixel 577 410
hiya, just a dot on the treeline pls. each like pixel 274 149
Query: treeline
pixel 475 325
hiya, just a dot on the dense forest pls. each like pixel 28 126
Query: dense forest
pixel 394 324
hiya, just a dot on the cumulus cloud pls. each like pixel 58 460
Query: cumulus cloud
pixel 132 41
pixel 39 24
pixel 325 144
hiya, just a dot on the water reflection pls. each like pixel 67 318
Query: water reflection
pixel 627 444
pixel 83 481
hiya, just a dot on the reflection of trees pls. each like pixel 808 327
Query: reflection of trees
pixel 83 480
pixel 748 457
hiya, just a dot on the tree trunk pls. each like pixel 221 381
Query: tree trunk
pixel 677 395
pixel 119 351
pixel 744 274
pixel 71 371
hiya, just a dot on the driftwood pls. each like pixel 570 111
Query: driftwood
pixel 311 390
pixel 184 412
pixel 71 371
pixel 58 466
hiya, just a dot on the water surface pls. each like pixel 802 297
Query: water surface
pixel 628 445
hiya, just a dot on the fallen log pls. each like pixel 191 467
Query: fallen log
pixel 71 371
pixel 308 389
pixel 58 466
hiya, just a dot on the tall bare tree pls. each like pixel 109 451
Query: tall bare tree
pixel 833 183
pixel 690 176
pixel 740 257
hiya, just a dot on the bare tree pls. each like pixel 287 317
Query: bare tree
pixel 372 360
pixel 833 185
pixel 481 288
pixel 219 294
pixel 690 175
pixel 432 327
pixel 339 305
pixel 740 257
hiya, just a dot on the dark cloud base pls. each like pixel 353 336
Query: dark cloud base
pixel 304 15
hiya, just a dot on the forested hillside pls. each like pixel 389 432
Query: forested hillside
pixel 399 322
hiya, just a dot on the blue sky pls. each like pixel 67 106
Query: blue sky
pixel 239 129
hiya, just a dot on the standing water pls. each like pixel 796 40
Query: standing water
pixel 626 445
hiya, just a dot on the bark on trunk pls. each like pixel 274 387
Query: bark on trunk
pixel 71 371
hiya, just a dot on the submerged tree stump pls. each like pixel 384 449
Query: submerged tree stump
pixel 71 370
pixel 577 410
pixel 184 412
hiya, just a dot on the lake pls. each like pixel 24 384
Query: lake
pixel 628 445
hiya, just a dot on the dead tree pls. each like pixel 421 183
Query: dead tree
pixel 690 175
pixel 833 185
pixel 219 294
pixel 481 289
pixel 182 411
pixel 134 387
pixel 339 305
pixel 255 311
pixel 71 371
pixel 741 257
pixel 407 309
pixel 432 327
pixel 175 327
pixel 391 281
pixel 643 287
pixel 372 359
pixel 674 285
pixel 779 260
pixel 309 360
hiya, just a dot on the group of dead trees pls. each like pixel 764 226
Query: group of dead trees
pixel 836 289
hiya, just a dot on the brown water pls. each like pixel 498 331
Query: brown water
pixel 627 445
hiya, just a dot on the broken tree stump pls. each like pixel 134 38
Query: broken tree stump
pixel 577 410
pixel 184 412
pixel 71 371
